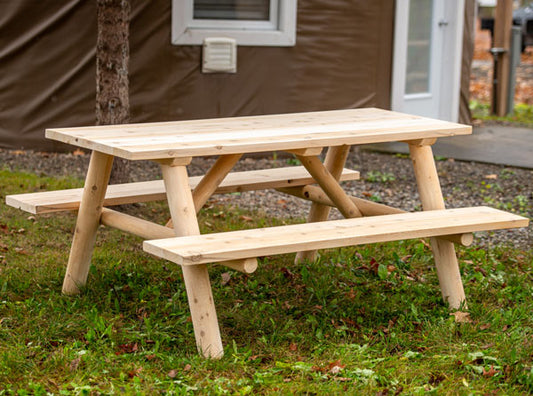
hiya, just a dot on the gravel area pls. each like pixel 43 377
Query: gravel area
pixel 385 178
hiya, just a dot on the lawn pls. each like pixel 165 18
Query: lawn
pixel 369 320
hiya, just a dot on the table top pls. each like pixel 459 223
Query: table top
pixel 255 133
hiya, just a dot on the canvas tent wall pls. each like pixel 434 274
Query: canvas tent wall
pixel 342 59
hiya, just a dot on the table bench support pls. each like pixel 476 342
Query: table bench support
pixel 87 223
pixel 196 278
pixel 430 193
pixel 334 163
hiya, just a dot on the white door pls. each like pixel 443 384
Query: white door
pixel 427 57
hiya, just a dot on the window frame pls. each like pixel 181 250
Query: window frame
pixel 277 32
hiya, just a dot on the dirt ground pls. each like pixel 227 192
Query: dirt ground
pixel 481 76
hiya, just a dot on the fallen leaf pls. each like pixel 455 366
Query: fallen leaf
pixel 342 379
pixel 491 176
pixel 226 276
pixel 293 347
pixel 127 348
pixel 246 218
pixel 484 326
pixel 287 272
pixel 425 243
pixel 172 373
pixel 187 367
pixel 74 364
pixel 78 152
pixel 150 357
pixel 336 367
pixel 490 372
pixel 135 373
pixel 462 317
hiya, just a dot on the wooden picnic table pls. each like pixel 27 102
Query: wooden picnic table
pixel 174 144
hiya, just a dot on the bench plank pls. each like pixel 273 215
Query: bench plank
pixel 210 248
pixel 119 194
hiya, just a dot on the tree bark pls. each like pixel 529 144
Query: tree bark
pixel 112 58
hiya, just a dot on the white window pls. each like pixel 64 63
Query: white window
pixel 249 22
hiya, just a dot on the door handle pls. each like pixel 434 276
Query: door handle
pixel 443 23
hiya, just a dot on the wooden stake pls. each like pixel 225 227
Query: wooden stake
pixel 444 251
pixel 87 223
pixel 196 278
pixel 334 163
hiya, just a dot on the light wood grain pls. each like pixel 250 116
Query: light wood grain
pixel 134 225
pixel 212 179
pixel 255 133
pixel 196 279
pixel 87 223
pixel 367 208
pixel 330 234
pixel 334 164
pixel 119 194
pixel 430 193
pixel 330 186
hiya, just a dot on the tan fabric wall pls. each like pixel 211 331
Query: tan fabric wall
pixel 342 59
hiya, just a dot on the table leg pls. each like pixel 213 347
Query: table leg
pixel 196 278
pixel 444 251
pixel 334 163
pixel 212 179
pixel 87 222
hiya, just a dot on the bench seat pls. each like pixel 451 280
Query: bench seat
pixel 219 247
pixel 120 194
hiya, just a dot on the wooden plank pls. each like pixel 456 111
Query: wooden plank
pixel 118 194
pixel 347 232
pixel 367 208
pixel 256 133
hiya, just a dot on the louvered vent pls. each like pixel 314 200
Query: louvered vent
pixel 219 55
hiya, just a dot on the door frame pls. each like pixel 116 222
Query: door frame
pixel 449 92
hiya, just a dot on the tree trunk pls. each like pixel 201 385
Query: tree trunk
pixel 112 58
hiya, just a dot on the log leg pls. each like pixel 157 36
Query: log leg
pixel 444 251
pixel 196 278
pixel 87 222
pixel 334 163
pixel 212 179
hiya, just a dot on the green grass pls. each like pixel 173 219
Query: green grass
pixel 521 115
pixel 359 321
